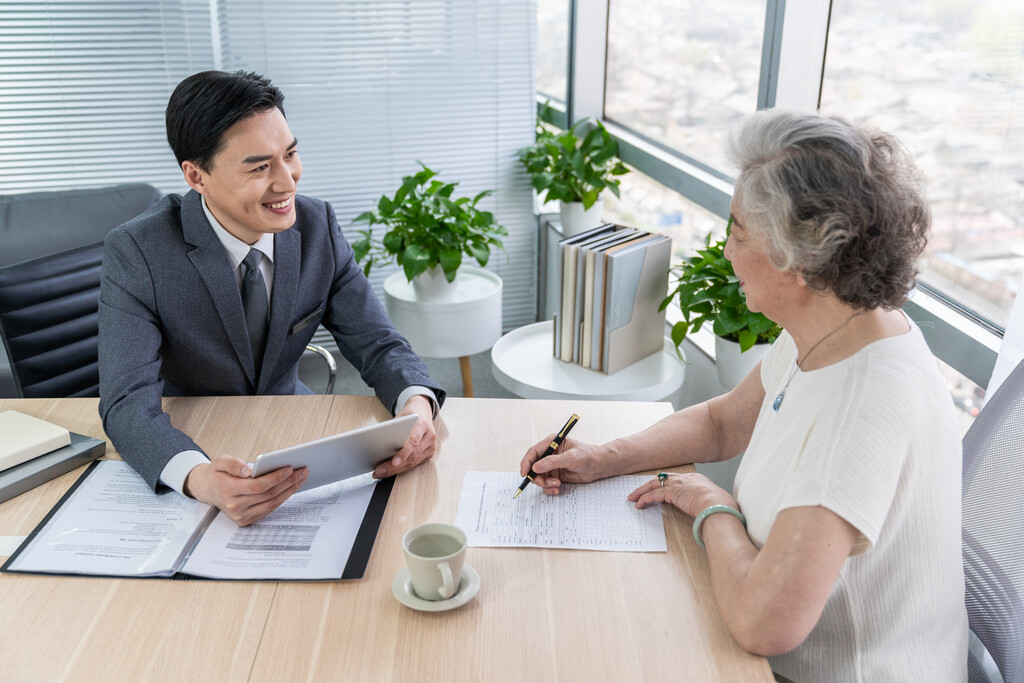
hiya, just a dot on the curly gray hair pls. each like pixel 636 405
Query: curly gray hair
pixel 841 205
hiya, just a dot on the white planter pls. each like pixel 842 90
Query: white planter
pixel 466 322
pixel 575 220
pixel 431 285
pixel 732 365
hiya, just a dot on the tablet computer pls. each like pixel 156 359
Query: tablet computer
pixel 340 456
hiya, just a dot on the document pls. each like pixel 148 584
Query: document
pixel 308 537
pixel 594 516
pixel 112 524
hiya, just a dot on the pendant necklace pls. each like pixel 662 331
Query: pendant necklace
pixel 777 403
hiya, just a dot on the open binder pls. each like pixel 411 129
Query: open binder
pixel 110 524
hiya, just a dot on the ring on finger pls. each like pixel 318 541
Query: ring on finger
pixel 662 477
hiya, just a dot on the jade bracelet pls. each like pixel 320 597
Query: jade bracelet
pixel 710 511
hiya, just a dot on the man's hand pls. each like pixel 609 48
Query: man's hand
pixel 421 444
pixel 225 484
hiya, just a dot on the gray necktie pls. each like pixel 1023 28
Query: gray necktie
pixel 254 301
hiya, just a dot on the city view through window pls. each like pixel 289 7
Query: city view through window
pixel 947 78
pixel 682 72
pixel 552 48
pixel 944 76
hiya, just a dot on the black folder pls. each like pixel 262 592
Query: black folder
pixel 355 567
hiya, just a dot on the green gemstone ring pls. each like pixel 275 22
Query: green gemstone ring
pixel 662 477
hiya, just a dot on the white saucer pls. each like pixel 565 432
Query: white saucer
pixel 468 587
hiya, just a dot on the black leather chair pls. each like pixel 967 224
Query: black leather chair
pixel 37 224
pixel 48 321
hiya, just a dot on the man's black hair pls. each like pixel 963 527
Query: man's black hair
pixel 206 104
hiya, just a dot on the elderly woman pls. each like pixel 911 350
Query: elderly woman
pixel 838 552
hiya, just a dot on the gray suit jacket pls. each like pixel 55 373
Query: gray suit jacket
pixel 171 322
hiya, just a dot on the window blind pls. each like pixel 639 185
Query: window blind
pixel 84 85
pixel 373 86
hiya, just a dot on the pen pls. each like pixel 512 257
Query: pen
pixel 552 447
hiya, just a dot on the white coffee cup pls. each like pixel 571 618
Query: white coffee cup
pixel 434 554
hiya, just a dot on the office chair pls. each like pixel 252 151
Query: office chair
pixel 49 309
pixel 993 530
pixel 332 367
pixel 48 320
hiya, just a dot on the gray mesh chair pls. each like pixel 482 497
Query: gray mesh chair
pixel 993 530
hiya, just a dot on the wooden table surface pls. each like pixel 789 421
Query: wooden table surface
pixel 540 615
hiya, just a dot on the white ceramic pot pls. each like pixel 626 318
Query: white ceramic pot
pixel 732 365
pixel 432 285
pixel 575 220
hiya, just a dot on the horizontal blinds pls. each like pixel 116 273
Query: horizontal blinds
pixel 84 85
pixel 373 86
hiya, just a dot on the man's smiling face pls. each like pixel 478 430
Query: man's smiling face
pixel 250 185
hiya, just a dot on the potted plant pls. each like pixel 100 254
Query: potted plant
pixel 708 290
pixel 428 232
pixel 574 170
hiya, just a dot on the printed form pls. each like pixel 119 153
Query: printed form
pixel 594 516
pixel 309 537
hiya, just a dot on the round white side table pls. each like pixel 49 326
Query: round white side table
pixel 524 364
pixel 464 321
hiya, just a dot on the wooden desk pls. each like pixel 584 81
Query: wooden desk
pixel 540 615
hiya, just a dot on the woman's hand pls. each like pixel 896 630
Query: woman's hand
pixel 691 493
pixel 575 462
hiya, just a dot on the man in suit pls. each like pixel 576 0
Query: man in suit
pixel 218 291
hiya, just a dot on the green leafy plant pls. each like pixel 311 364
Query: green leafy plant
pixel 708 290
pixel 426 227
pixel 569 168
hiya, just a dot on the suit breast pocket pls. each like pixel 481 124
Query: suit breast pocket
pixel 307 320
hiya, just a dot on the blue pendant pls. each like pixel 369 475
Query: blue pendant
pixel 778 401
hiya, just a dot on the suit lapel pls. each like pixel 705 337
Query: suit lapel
pixel 214 267
pixel 287 250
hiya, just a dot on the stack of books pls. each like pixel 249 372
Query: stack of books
pixel 612 280
pixel 33 451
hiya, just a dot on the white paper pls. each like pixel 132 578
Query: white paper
pixel 593 516
pixel 115 525
pixel 309 537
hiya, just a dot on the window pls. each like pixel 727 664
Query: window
pixel 372 88
pixel 648 205
pixel 682 73
pixel 84 89
pixel 552 49
pixel 968 397
pixel 946 78
pixel 677 75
